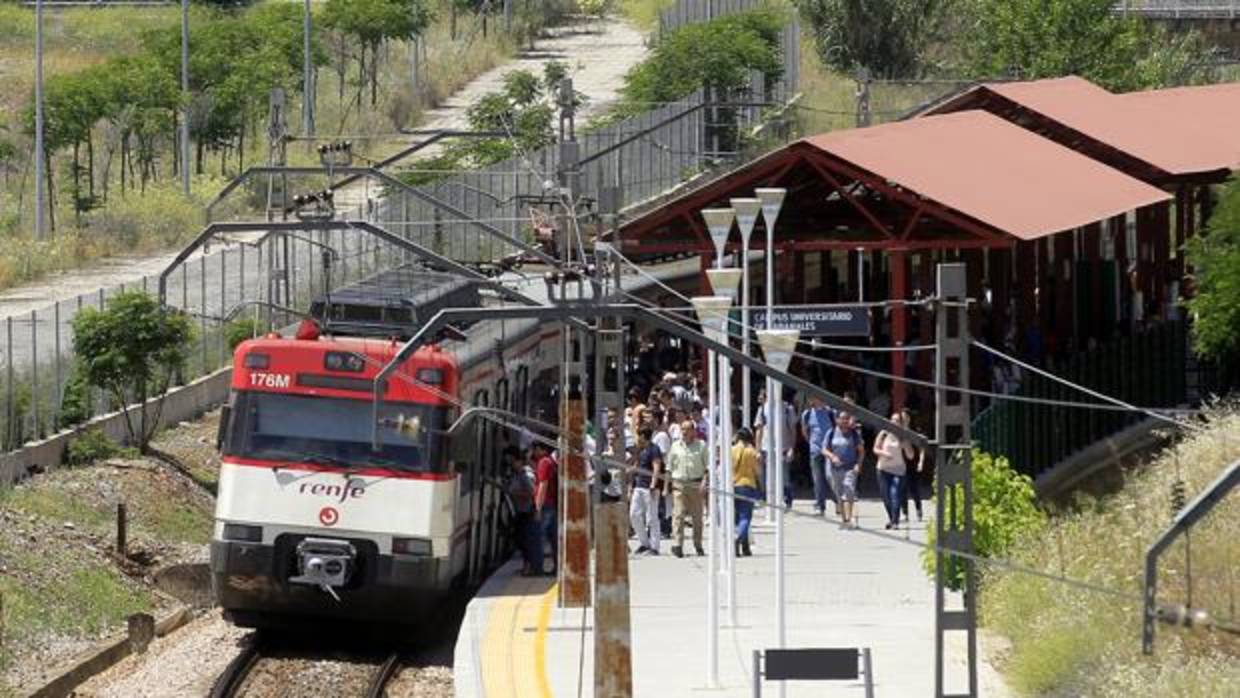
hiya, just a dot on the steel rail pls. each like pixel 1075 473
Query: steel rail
pixel 234 675
pixel 387 670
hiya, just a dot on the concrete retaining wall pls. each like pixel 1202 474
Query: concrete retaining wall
pixel 1093 460
pixel 183 403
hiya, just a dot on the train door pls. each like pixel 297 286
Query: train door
pixel 498 517
pixel 480 449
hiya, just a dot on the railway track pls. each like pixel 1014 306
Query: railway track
pixel 234 681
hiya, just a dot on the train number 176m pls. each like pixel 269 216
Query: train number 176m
pixel 270 380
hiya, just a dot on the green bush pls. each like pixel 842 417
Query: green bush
pixel 75 403
pixel 92 446
pixel 241 329
pixel 1005 511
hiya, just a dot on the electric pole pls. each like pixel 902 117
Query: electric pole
pixel 307 88
pixel 185 96
pixel 40 193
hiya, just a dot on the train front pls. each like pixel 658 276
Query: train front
pixel 312 521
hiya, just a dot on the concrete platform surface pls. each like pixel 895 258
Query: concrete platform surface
pixel 845 588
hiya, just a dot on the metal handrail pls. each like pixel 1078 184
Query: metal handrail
pixel 1186 519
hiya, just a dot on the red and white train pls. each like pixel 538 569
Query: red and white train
pixel 311 521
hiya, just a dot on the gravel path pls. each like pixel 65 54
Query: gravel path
pixel 184 663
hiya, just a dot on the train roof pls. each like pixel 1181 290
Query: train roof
pixel 393 303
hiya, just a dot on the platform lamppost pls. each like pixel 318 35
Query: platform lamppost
pixel 712 312
pixel 772 199
pixel 778 346
pixel 724 283
pixel 747 212
pixel 719 224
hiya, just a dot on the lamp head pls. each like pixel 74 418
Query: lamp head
pixel 772 199
pixel 719 224
pixel 712 312
pixel 725 282
pixel 778 346
pixel 747 211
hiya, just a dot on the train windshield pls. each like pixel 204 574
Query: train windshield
pixel 332 431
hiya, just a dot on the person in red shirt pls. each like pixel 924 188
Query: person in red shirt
pixel 546 507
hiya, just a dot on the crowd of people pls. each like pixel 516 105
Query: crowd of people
pixel 661 438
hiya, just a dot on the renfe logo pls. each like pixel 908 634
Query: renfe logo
pixel 270 380
pixel 336 492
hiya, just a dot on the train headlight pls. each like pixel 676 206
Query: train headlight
pixel 242 532
pixel 411 546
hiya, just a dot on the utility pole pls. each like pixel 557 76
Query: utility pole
pixel 613 656
pixel 185 96
pixel 277 130
pixel 953 521
pixel 40 192
pixel 575 570
pixel 863 97
pixel 307 88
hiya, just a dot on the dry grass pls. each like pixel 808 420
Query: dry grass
pixel 160 219
pixel 1070 642
pixel 644 14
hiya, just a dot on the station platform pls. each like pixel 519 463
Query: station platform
pixel 845 588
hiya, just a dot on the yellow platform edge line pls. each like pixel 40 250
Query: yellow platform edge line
pixel 540 641
pixel 504 652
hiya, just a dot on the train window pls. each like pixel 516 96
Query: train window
pixel 501 394
pixel 523 385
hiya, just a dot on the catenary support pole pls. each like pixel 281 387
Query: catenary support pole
pixel 40 182
pixel 953 518
pixel 613 661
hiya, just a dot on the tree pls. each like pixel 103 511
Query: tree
pixel 372 23
pixel 889 37
pixel 1052 38
pixel 1215 258
pixel 718 54
pixel 132 349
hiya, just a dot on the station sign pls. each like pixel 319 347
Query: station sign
pixel 816 321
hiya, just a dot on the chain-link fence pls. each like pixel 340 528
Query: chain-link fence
pixel 40 386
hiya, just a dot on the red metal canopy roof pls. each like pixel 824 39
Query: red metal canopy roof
pixel 992 171
pixel 1204 119
pixel 1179 132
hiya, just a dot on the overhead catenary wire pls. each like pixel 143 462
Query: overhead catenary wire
pixel 914 381
pixel 1007 564
pixel 1151 412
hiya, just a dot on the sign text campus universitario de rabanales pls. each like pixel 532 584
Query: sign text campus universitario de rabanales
pixel 812 321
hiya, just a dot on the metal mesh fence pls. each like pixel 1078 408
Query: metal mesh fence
pixel 620 164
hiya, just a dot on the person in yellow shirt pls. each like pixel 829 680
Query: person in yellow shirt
pixel 745 467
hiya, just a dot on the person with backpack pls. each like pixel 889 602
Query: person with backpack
pixel 816 421
pixel 546 507
pixel 520 487
pixel 892 455
pixel 844 448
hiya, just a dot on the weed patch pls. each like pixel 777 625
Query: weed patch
pixel 1068 641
